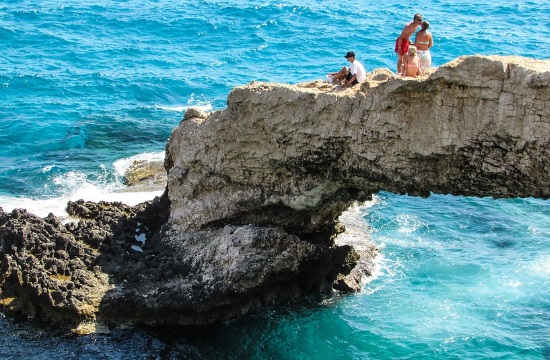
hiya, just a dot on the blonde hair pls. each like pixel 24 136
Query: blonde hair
pixel 412 49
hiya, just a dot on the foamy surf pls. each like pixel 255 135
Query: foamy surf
pixel 206 107
pixel 58 205
pixel 77 186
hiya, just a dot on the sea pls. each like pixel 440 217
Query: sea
pixel 87 88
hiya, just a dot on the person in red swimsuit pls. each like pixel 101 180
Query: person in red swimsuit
pixel 403 41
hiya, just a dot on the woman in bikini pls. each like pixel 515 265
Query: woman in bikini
pixel 423 42
pixel 411 63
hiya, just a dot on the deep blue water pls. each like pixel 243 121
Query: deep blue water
pixel 87 88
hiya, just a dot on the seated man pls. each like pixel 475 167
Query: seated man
pixel 355 74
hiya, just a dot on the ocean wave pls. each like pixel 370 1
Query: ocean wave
pixel 182 108
pixel 57 206
pixel 76 185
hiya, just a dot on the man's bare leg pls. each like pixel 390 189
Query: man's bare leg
pixel 399 63
pixel 342 74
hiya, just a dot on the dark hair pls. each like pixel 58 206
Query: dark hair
pixel 425 25
pixel 417 16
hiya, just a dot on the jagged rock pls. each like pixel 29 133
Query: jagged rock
pixel 61 273
pixel 45 273
pixel 254 193
pixel 211 275
pixel 195 115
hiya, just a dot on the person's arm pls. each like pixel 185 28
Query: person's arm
pixel 404 66
pixel 350 81
pixel 431 41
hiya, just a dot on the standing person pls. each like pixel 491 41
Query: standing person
pixel 355 74
pixel 403 41
pixel 411 63
pixel 423 42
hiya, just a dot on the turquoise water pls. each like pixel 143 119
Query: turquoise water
pixel 86 89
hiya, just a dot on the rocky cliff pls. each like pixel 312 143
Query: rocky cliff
pixel 477 126
pixel 254 191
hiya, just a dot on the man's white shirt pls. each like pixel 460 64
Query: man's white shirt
pixel 357 69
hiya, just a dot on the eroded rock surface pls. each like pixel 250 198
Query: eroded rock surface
pixel 254 193
pixel 477 126
pixel 61 273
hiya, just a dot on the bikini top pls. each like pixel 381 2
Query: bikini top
pixel 424 42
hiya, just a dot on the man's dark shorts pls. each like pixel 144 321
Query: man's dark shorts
pixel 349 77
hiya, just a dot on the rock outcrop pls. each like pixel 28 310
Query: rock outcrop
pixel 254 191
pixel 61 273
pixel 477 126
pixel 145 174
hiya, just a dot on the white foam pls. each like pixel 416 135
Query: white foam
pixel 57 206
pixel 48 168
pixel 357 230
pixel 77 185
pixel 182 108
pixel 357 234
pixel 38 207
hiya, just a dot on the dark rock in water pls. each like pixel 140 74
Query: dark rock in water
pixel 46 273
pixel 61 273
pixel 216 274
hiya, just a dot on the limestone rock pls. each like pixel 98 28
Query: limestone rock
pixel 195 115
pixel 297 155
pixel 142 173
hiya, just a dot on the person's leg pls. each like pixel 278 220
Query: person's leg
pixel 340 74
pixel 399 63
pixel 403 48
pixel 428 59
pixel 399 55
